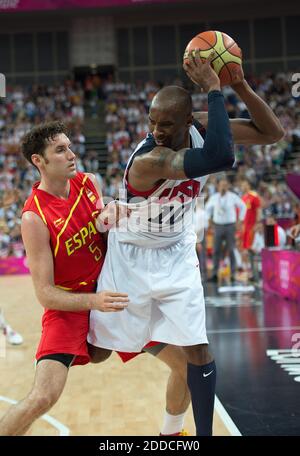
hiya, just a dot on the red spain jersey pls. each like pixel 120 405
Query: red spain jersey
pixel 252 201
pixel 78 248
pixel 78 255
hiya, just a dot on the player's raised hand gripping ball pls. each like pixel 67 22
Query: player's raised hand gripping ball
pixel 227 62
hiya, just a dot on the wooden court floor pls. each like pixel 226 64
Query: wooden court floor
pixel 105 399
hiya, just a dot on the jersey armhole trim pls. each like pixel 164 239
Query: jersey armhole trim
pixel 146 193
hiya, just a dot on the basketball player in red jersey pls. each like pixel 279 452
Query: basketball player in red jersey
pixel 253 203
pixel 65 254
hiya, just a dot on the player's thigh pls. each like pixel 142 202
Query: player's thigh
pixel 97 354
pixel 50 379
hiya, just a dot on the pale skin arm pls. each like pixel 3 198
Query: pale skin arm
pixel 36 240
pixel 111 214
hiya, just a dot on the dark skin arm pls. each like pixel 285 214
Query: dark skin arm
pixel 163 163
pixel 263 127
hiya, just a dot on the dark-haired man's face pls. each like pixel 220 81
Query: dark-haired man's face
pixel 58 161
pixel 169 128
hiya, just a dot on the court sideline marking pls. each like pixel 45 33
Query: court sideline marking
pixel 225 417
pixel 249 330
pixel 63 430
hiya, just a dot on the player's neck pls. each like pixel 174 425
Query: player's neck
pixel 60 189
pixel 186 143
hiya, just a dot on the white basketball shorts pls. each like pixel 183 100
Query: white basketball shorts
pixel 166 297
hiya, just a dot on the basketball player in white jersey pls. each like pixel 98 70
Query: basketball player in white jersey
pixel 152 256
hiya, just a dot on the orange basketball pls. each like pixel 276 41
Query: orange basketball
pixel 228 60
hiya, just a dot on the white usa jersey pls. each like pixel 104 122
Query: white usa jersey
pixel 163 215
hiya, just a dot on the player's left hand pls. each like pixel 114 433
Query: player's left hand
pixel 202 73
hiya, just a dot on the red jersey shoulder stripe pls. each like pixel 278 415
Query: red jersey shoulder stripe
pixel 36 200
pixel 69 216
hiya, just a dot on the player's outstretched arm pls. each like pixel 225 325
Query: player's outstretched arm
pixel 265 126
pixel 36 240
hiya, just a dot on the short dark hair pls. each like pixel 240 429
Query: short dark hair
pixel 36 140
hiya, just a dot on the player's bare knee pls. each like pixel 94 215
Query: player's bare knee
pixel 198 354
pixel 98 355
pixel 179 367
pixel 41 403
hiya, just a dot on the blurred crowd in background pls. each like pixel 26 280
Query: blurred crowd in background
pixel 126 124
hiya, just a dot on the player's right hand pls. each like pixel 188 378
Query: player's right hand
pixel 201 73
pixel 111 215
pixel 110 301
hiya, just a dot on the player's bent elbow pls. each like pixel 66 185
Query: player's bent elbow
pixel 276 135
pixel 44 297
pixel 45 303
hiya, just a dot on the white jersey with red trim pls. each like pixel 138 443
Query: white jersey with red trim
pixel 163 215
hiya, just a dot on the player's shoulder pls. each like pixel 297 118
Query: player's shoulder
pixel 32 223
pixel 147 145
pixel 30 216
pixel 200 120
pixel 146 153
pixel 34 201
pixel 253 193
pixel 200 128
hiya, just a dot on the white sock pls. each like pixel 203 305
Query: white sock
pixel 172 424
